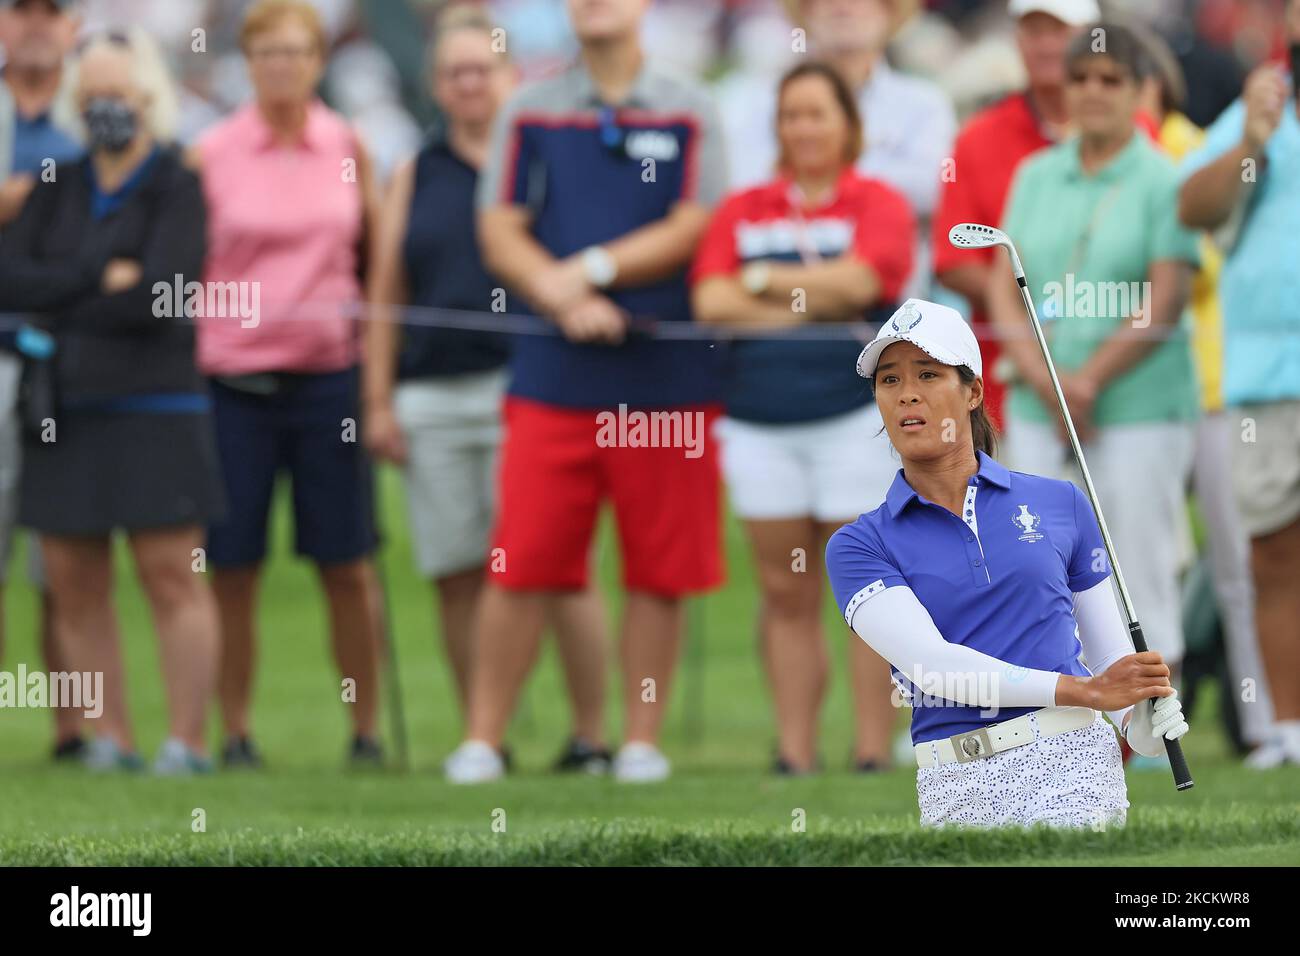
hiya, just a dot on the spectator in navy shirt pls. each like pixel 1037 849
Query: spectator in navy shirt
pixel 441 420
pixel 38 131
pixel 819 242
pixel 597 190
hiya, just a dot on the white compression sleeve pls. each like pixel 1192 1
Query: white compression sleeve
pixel 897 626
pixel 1103 633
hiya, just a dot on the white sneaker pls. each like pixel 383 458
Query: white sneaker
pixel 103 755
pixel 1266 756
pixel 474 762
pixel 641 763
pixel 177 760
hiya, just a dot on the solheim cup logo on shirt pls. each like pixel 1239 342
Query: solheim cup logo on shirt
pixel 906 318
pixel 1028 523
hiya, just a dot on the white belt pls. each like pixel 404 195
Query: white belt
pixel 995 738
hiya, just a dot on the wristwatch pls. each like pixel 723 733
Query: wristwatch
pixel 599 266
pixel 755 277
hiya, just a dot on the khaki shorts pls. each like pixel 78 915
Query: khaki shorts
pixel 453 437
pixel 1266 465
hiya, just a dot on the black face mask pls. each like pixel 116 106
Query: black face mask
pixel 110 124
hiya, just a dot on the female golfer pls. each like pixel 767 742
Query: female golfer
pixel 982 587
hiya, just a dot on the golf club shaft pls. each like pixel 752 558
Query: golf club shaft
pixel 1182 775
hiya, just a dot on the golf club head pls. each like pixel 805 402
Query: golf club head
pixel 972 235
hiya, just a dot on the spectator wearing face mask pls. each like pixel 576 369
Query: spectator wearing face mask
pixel 126 441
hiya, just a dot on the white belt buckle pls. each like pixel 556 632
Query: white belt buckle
pixel 975 745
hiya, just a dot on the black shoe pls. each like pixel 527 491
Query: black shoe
pixel 867 765
pixel 69 750
pixel 240 753
pixel 579 755
pixel 784 768
pixel 365 754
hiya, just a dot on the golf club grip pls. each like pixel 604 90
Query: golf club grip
pixel 1174 748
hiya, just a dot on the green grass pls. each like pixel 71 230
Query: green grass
pixel 720 808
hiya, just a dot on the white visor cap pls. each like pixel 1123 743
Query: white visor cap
pixel 937 330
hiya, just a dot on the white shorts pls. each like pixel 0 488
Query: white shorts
pixel 453 432
pixel 833 469
pixel 1141 473
pixel 1074 779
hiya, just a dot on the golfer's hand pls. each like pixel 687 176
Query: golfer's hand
pixel 593 318
pixel 1265 97
pixel 382 435
pixel 1151 724
pixel 1129 680
pixel 120 275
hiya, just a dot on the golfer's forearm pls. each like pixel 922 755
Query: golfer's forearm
pixel 895 625
pixel 1103 634
pixel 837 289
pixel 1209 195
pixel 721 300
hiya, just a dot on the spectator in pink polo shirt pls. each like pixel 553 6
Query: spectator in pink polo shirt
pixel 289 197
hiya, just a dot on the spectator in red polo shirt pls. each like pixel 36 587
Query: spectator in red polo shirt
pixel 818 243
pixel 989 148
pixel 596 191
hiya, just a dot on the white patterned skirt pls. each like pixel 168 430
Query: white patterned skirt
pixel 1074 779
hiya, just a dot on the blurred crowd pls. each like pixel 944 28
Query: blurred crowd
pixel 201 200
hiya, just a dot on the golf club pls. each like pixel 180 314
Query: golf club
pixel 970 235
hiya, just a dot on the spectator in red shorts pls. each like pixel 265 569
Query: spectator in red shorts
pixel 989 148
pixel 596 191
pixel 823 237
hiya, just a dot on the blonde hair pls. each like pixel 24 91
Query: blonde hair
pixel 149 72
pixel 266 15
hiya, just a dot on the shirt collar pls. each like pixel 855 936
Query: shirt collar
pixel 639 95
pixel 901 493
pixel 313 131
pixel 1119 164
pixel 788 190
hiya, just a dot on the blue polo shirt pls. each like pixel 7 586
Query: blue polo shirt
pixel 1000 579
pixel 588 172
pixel 1259 287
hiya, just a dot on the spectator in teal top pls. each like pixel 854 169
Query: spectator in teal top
pixel 1109 267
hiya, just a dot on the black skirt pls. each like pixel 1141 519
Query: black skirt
pixel 129 470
